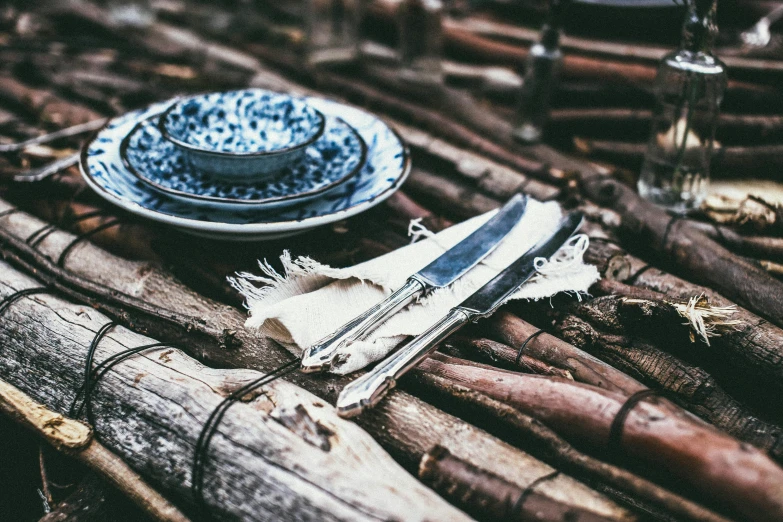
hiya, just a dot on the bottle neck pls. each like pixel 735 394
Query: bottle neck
pixel 700 28
pixel 550 32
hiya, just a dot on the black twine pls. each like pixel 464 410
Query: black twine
pixel 618 423
pixel 631 280
pixel 210 427
pixel 524 345
pixel 37 237
pixel 78 239
pixel 92 376
pixel 516 508
pixel 74 411
pixel 669 225
pixel 11 298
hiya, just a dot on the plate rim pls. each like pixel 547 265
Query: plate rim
pixel 214 200
pixel 246 228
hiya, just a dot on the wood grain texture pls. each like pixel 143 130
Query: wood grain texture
pixel 150 410
pixel 408 427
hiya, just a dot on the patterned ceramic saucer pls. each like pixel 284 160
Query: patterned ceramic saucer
pixel 386 167
pixel 240 134
pixel 330 161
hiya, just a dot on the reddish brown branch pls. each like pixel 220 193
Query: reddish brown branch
pixel 718 466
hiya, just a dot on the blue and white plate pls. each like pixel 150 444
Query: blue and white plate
pixel 386 167
pixel 331 160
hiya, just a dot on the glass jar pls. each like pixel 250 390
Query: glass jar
pixel 689 89
pixel 421 41
pixel 332 31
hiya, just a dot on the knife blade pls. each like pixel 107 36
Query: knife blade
pixel 368 390
pixel 444 270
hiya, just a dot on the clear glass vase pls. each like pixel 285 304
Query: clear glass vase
pixel 689 89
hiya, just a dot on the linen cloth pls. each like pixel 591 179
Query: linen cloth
pixel 310 300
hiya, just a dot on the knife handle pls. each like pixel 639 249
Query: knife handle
pixel 319 357
pixel 368 390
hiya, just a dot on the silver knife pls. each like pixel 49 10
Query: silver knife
pixel 369 389
pixel 449 267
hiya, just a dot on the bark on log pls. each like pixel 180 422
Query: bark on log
pixel 500 355
pixel 631 489
pixel 692 252
pixel 455 200
pixel 513 331
pixel 735 159
pixel 405 425
pixel 150 410
pixel 598 328
pixel 44 105
pixel 492 178
pixel 719 467
pixel 755 348
pixel 488 497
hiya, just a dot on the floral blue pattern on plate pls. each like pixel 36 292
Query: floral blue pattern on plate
pixel 243 133
pixel 386 167
pixel 331 160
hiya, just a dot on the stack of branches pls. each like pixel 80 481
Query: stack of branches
pixel 472 422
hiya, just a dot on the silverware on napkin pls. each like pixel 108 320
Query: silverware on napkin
pixel 446 269
pixel 368 390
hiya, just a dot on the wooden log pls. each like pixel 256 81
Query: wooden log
pixel 487 496
pixel 600 329
pixel 762 124
pixel 457 201
pixel 724 159
pixel 757 247
pixel 690 251
pixel 492 178
pixel 44 105
pixel 643 495
pixel 150 409
pixel 513 331
pixel 500 355
pixel 407 426
pixel 76 439
pixel 754 348
pixel 720 467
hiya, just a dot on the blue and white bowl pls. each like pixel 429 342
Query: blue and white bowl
pixel 242 134
pixel 332 160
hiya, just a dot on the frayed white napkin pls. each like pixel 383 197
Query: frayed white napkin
pixel 310 300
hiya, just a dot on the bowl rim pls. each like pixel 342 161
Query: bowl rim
pixel 277 152
pixel 125 143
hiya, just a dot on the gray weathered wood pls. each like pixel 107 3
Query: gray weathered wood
pixel 150 410
pixel 405 425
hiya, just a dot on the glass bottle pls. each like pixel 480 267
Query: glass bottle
pixel 540 79
pixel 421 41
pixel 689 89
pixel 332 31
